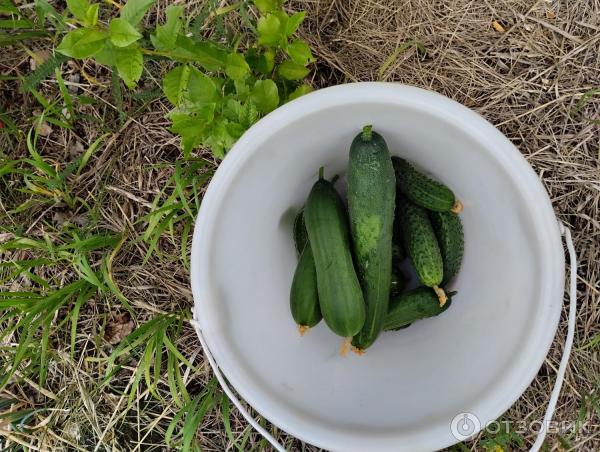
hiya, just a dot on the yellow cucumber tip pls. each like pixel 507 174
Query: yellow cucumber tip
pixel 442 297
pixel 358 351
pixel 302 329
pixel 345 346
pixel 458 207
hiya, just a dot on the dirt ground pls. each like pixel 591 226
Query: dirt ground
pixel 526 66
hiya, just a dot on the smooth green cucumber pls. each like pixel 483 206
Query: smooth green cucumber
pixel 413 305
pixel 421 245
pixel 304 298
pixel 371 205
pixel 449 232
pixel 340 296
pixel 423 190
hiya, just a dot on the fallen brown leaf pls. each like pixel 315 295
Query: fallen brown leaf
pixel 119 328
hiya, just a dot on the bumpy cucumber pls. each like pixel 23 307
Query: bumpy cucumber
pixel 340 296
pixel 449 232
pixel 371 205
pixel 300 234
pixel 413 305
pixel 304 299
pixel 422 190
pixel 421 245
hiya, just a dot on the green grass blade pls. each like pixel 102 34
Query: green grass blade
pixel 64 92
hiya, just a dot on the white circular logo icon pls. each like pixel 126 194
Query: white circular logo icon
pixel 465 425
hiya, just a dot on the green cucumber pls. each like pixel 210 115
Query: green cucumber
pixel 449 232
pixel 300 234
pixel 422 190
pixel 421 245
pixel 397 283
pixel 304 299
pixel 340 296
pixel 371 205
pixel 413 305
pixel 398 254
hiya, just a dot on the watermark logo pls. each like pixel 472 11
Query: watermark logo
pixel 465 425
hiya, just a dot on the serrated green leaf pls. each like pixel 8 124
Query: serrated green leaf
pixel 175 84
pixel 292 71
pixel 265 95
pixel 232 109
pixel 134 10
pixel 166 35
pixel 122 33
pixel 267 6
pixel 192 126
pixel 248 114
pixel 78 8
pixel 219 139
pixel 270 31
pixel 237 68
pixel 300 91
pixel 82 43
pixel 130 64
pixel 92 14
pixel 242 89
pixel 294 22
pixel 299 52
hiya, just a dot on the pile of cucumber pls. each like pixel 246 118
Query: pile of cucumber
pixel 349 267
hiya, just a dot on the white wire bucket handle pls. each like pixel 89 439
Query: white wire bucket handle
pixel 560 375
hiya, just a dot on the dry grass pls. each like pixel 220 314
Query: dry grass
pixel 527 80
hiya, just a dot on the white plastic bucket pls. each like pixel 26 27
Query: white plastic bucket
pixel 478 357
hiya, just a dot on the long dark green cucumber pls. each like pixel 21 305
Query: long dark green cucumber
pixel 340 296
pixel 421 245
pixel 449 232
pixel 413 305
pixel 371 205
pixel 423 190
pixel 304 298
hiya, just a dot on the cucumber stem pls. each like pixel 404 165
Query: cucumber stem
pixel 367 133
pixel 334 179
pixel 322 172
pixel 458 207
pixel 345 346
pixel 302 329
pixel 441 295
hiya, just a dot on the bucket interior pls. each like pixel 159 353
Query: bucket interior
pixel 412 382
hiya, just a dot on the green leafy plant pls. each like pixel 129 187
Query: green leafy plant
pixel 217 91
